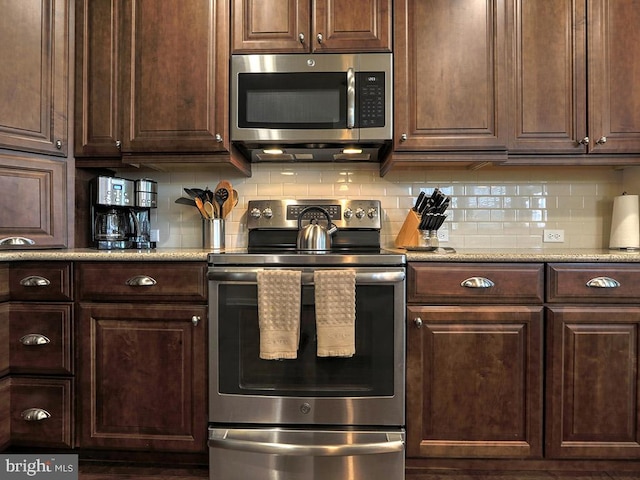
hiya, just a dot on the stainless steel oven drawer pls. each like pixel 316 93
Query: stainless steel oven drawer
pixel 309 454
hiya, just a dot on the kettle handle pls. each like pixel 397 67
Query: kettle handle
pixel 316 208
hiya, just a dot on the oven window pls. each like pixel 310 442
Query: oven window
pixel 292 100
pixel 368 373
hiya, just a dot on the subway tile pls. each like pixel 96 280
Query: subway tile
pixel 491 208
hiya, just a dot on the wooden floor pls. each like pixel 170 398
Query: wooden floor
pixel 102 472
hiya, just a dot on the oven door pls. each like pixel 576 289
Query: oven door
pixel 366 389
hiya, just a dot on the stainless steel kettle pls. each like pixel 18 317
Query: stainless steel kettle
pixel 313 237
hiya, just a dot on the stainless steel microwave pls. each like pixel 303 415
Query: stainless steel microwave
pixel 305 101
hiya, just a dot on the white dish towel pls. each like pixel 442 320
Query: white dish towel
pixel 335 298
pixel 279 294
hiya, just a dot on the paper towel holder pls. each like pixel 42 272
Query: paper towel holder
pixel 625 223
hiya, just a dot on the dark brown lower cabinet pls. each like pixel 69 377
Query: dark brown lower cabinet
pixel 593 382
pixel 474 381
pixel 141 376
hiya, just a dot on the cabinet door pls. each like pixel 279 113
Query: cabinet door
pixel 614 62
pixel 354 26
pixel 142 377
pixel 175 76
pixel 34 202
pixel 34 77
pixel 449 72
pixel 593 382
pixel 549 109
pixel 474 381
pixel 98 130
pixel 270 26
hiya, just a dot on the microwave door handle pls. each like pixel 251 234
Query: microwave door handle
pixel 351 98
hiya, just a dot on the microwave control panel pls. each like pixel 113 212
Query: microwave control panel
pixel 370 99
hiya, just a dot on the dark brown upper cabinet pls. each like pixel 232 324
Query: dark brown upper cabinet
pixel 296 26
pixel 449 70
pixel 573 77
pixel 152 82
pixel 34 79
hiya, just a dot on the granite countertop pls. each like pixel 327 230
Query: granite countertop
pixel 441 255
pixel 523 255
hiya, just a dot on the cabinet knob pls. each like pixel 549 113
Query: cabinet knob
pixel 301 38
pixel 35 414
pixel 141 281
pixel 584 141
pixel 218 138
pixel 118 144
pixel 602 140
pixel 403 137
pixel 35 281
pixel 417 322
pixel 320 38
pixel 59 144
pixel 16 241
pixel 477 282
pixel 32 339
pixel 603 282
pixel 195 320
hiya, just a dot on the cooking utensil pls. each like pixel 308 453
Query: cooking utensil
pixel 212 212
pixel 186 201
pixel 200 205
pixel 228 205
pixel 221 195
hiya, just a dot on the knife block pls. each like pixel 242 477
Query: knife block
pixel 408 236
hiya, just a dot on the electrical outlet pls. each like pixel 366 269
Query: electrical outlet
pixel 443 235
pixel 553 236
pixel 154 235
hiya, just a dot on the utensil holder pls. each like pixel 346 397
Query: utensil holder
pixel 213 234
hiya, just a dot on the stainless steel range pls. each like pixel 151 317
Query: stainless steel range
pixel 307 348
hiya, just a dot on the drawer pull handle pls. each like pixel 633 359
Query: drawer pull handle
pixel 603 282
pixel 35 281
pixel 17 241
pixel 35 414
pixel 141 281
pixel 477 282
pixel 31 339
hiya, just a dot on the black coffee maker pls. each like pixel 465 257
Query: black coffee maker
pixel 120 212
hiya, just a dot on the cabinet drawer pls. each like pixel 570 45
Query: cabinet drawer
pixel 40 338
pixel 162 282
pixel 49 281
pixel 450 283
pixel 41 412
pixel 593 283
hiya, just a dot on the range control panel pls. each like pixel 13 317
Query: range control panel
pixel 284 214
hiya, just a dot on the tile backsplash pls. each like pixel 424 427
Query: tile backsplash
pixel 491 208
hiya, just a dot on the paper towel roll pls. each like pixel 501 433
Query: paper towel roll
pixel 625 224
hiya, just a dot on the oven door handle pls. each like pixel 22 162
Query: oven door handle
pixel 257 442
pixel 251 276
